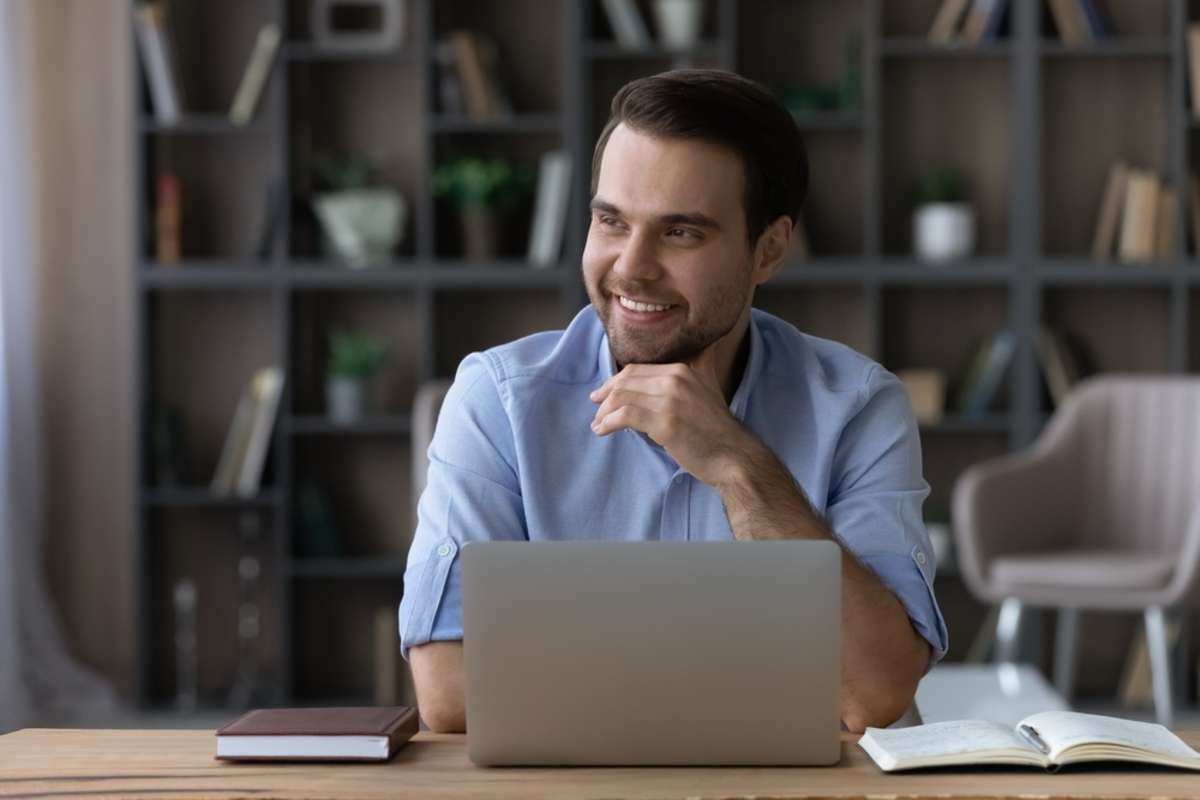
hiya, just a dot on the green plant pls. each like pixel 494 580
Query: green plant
pixel 478 182
pixel 941 185
pixel 355 355
pixel 339 172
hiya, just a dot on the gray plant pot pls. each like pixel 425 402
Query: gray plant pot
pixel 361 226
pixel 345 398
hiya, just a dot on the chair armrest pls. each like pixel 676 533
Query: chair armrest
pixel 1013 504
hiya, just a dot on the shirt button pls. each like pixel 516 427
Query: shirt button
pixel 444 550
pixel 920 558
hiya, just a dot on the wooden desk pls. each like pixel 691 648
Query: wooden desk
pixel 152 764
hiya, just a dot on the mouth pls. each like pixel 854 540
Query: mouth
pixel 640 307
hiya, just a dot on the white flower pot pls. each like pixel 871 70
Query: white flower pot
pixel 679 22
pixel 361 226
pixel 345 398
pixel 944 231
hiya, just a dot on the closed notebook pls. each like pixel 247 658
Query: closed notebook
pixel 317 734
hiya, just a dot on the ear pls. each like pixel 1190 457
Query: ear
pixel 770 252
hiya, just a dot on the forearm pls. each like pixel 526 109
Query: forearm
pixel 437 669
pixel 883 657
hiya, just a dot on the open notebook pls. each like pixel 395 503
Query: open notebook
pixel 1049 739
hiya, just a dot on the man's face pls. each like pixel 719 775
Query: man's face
pixel 667 265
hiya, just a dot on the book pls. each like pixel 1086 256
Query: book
pixel 168 218
pixel 946 23
pixel 267 387
pixel 550 208
pixel 449 85
pixel 1164 224
pixel 239 467
pixel 983 21
pixel 1105 237
pixel 1138 218
pixel 628 27
pixel 926 393
pixel 317 734
pixel 1049 739
pixel 1193 47
pixel 1051 354
pixel 1068 18
pixel 158 61
pixel 469 67
pixel 1096 18
pixel 254 79
pixel 982 384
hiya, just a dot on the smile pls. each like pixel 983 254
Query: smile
pixel 634 305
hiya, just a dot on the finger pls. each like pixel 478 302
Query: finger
pixel 669 384
pixel 628 416
pixel 621 396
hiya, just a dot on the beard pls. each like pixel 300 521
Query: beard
pixel 702 326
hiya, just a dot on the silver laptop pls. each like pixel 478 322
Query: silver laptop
pixel 644 653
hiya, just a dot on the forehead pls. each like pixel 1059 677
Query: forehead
pixel 650 176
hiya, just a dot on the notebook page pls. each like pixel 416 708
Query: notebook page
pixel 944 739
pixel 1062 730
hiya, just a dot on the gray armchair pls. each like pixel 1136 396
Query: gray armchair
pixel 1103 513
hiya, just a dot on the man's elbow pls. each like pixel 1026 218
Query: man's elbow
pixel 441 716
pixel 884 702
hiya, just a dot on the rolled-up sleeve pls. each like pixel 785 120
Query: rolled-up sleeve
pixel 472 494
pixel 875 503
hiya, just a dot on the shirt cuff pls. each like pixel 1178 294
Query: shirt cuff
pixel 910 579
pixel 431 605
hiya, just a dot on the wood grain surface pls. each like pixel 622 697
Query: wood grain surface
pixel 45 763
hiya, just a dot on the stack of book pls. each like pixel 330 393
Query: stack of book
pixel 1137 218
pixel 968 22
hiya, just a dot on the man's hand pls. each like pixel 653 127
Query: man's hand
pixel 681 407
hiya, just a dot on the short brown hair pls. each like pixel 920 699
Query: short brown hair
pixel 728 110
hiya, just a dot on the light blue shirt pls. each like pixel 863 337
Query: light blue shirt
pixel 514 457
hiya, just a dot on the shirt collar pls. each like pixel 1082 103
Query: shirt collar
pixel 608 367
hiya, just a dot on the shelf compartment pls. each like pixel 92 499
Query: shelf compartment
pixel 1124 329
pixel 967 125
pixel 205 546
pixel 365 108
pixel 1093 114
pixel 333 632
pixel 390 315
pixel 204 347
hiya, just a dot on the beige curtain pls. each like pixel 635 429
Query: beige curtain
pixel 66 308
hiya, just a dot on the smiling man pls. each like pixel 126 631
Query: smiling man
pixel 670 410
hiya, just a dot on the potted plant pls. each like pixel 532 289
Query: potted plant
pixel 361 222
pixel 354 358
pixel 943 223
pixel 481 190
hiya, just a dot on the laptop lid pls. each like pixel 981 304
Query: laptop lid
pixel 641 653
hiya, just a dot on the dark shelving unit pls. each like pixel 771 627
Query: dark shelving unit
pixel 1007 113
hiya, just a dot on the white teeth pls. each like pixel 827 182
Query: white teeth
pixel 634 305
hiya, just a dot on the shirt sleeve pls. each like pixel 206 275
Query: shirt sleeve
pixel 472 494
pixel 875 503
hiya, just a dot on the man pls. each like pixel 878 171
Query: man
pixel 669 410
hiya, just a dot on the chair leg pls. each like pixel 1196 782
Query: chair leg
pixel 1160 663
pixel 1008 626
pixel 1066 638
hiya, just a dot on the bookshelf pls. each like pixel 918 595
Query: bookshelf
pixel 1033 123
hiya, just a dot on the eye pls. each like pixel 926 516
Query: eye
pixel 683 233
pixel 609 221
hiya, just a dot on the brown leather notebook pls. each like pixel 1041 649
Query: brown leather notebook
pixel 317 734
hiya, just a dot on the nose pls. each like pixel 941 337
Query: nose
pixel 638 260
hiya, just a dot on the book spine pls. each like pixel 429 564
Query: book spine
pixel 150 31
pixel 168 218
pixel 258 69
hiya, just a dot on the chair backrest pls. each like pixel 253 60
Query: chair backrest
pixel 426 406
pixel 1136 443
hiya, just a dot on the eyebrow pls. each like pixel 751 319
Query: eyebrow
pixel 678 218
